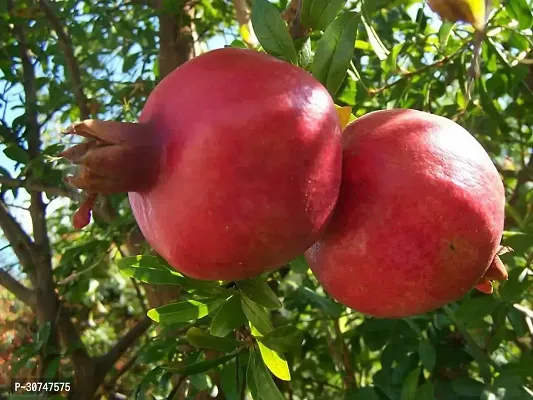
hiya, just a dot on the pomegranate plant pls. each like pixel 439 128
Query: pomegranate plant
pixel 419 217
pixel 233 168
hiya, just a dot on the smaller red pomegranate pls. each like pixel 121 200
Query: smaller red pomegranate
pixel 419 217
pixel 233 169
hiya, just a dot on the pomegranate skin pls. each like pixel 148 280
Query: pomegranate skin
pixel 419 217
pixel 250 170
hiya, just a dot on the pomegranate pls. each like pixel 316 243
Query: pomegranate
pixel 233 169
pixel 418 220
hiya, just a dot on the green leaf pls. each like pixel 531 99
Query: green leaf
pixel 184 311
pixel 425 391
pixel 318 14
pixel 259 292
pixel 257 315
pixel 239 44
pixel 250 376
pixel 304 53
pixel 4 172
pixel 410 385
pixel 445 31
pixel 17 154
pixel 283 339
pixel 378 47
pixel 335 50
pixel 476 308
pixel 329 306
pixel 427 355
pixel 275 362
pixel 202 366
pixel 228 317
pixel 265 383
pixel 151 269
pixel 521 11
pixel 271 31
pixel 199 338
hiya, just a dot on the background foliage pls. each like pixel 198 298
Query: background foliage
pixel 73 304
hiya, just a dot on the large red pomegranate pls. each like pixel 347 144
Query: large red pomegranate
pixel 419 217
pixel 233 169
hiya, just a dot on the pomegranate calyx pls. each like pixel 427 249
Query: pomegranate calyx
pixel 116 157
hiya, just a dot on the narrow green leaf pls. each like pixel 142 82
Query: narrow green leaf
pixel 257 315
pixel 410 385
pixel 378 47
pixel 239 44
pixel 202 366
pixel 444 34
pixel 184 311
pixel 476 308
pixel 250 376
pixel 154 270
pixel 275 362
pixel 425 391
pixel 335 50
pixel 17 154
pixel 271 31
pixel 259 292
pixel 199 338
pixel 427 355
pixel 329 306
pixel 283 339
pixel 228 317
pixel 318 14
pixel 521 11
pixel 265 383
pixel 149 269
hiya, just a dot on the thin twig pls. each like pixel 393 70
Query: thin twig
pixel 106 361
pixel 408 75
pixel 34 186
pixel 349 374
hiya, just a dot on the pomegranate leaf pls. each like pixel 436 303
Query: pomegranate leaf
pixel 272 32
pixel 250 376
pixel 425 391
pixel 410 385
pixel 427 355
pixel 151 269
pixel 283 339
pixel 275 362
pixel 257 315
pixel 329 306
pixel 184 311
pixel 259 292
pixel 335 50
pixel 202 366
pixel 265 383
pixel 228 317
pixel 318 14
pixel 199 338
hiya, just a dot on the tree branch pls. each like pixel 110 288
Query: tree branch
pixel 20 242
pixel 72 64
pixel 34 186
pixel 24 294
pixel 105 362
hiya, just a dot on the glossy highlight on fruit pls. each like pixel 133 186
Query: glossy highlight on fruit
pixel 419 217
pixel 233 169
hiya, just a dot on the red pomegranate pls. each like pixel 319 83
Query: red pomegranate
pixel 233 169
pixel 419 217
